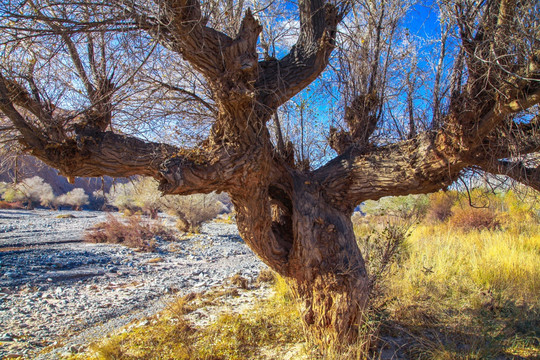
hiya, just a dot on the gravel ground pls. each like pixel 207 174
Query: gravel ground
pixel 58 293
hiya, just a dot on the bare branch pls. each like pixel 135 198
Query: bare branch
pixel 191 94
pixel 516 170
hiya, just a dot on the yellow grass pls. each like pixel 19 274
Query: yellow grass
pixel 450 262
pixel 272 323
pixel 467 295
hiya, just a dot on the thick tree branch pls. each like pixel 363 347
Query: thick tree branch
pixel 488 121
pixel 31 135
pixel 499 82
pixel 106 153
pixel 19 96
pixel 280 80
pixel 215 54
pixel 184 30
pixel 408 167
pixel 93 153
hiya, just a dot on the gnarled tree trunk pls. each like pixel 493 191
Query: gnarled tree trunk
pixel 311 243
pixel 326 268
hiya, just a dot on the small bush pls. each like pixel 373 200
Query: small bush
pixel 5 205
pixel 192 210
pixel 76 198
pixel 134 233
pixel 266 276
pixel 143 195
pixel 440 207
pixel 120 196
pixel 11 205
pixel 383 248
pixel 474 219
pixel 239 281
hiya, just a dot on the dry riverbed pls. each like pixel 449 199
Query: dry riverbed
pixel 58 293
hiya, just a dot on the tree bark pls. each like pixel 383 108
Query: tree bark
pixel 311 243
pixel 326 269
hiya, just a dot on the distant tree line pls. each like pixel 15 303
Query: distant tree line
pixel 139 195
pixel 473 209
pixel 33 192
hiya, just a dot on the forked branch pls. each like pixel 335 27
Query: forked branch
pixel 280 80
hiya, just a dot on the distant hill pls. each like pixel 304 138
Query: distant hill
pixel 29 166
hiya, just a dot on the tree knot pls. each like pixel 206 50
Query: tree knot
pixel 171 175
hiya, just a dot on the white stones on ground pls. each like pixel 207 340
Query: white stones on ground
pixel 119 281
pixel 6 337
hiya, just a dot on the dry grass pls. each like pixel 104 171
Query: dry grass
pixel 450 295
pixel 271 323
pixel 5 205
pixel 239 281
pixel 440 206
pixel 65 216
pixel 134 233
pixel 266 276
pixel 474 219
pixel 225 218
pixel 11 205
pixel 155 260
pixel 467 295
pixel 444 293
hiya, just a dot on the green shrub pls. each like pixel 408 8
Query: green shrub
pixel 404 207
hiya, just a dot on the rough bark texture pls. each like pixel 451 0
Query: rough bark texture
pixel 298 221
pixel 328 270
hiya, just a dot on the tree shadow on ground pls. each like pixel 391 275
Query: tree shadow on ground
pixel 37 266
pixel 507 330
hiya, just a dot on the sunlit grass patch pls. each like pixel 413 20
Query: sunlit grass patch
pixel 271 323
pixel 451 262
pixel 467 295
